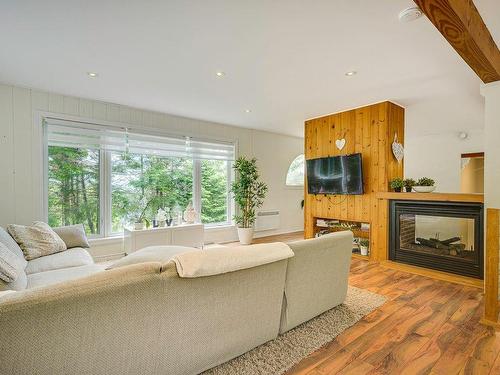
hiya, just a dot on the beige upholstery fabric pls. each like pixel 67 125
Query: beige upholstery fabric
pixel 73 236
pixel 70 258
pixel 36 280
pixel 12 245
pixel 230 259
pixel 9 265
pixel 316 278
pixel 36 240
pixel 140 319
pixel 20 283
pixel 160 254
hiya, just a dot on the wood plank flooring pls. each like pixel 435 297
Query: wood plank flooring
pixel 426 327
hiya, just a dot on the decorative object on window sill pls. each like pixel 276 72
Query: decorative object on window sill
pixel 397 184
pixel 161 217
pixel 424 185
pixel 397 149
pixel 190 214
pixel 340 143
pixel 177 215
pixel 139 225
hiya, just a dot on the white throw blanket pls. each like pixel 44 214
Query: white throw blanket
pixel 222 260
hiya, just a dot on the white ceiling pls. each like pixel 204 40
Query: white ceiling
pixel 284 59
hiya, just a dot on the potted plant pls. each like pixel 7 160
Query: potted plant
pixel 397 184
pixel 363 246
pixel 249 194
pixel 424 185
pixel 409 183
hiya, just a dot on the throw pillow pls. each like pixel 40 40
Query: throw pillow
pixel 9 264
pixel 36 240
pixel 73 236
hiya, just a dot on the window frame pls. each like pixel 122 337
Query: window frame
pixel 105 173
pixel 296 187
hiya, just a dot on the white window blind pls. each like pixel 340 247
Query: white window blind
pixel 109 138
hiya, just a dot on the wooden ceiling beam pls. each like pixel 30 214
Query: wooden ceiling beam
pixel 461 24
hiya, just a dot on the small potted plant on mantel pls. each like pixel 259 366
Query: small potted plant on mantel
pixel 424 185
pixel 397 184
pixel 249 194
pixel 409 183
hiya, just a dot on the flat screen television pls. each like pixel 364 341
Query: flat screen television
pixel 335 175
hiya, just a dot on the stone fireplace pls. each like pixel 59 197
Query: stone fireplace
pixel 446 236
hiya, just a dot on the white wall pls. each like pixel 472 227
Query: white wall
pixel 21 148
pixel 432 146
pixel 438 156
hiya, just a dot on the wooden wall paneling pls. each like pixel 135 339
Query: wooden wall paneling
pixel 491 262
pixel 366 130
pixel 7 203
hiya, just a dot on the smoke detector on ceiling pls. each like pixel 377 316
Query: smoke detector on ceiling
pixel 410 14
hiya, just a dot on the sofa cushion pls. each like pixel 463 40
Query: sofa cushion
pixel 160 254
pixel 223 260
pixel 8 241
pixel 9 264
pixel 36 240
pixel 40 279
pixel 73 236
pixel 70 258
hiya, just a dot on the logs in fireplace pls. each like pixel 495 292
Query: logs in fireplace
pixel 439 235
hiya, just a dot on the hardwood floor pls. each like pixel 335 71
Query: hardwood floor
pixel 427 326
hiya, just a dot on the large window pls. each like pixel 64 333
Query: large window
pixel 109 178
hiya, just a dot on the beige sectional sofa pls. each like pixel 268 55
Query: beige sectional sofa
pixel 146 319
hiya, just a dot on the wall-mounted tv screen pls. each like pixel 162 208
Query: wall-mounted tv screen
pixel 335 175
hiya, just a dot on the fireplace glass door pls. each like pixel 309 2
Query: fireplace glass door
pixel 442 236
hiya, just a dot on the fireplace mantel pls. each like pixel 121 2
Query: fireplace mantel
pixel 435 197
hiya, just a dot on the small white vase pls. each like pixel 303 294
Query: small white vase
pixel 139 226
pixel 363 250
pixel 245 235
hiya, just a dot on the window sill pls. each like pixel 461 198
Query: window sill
pixel 119 238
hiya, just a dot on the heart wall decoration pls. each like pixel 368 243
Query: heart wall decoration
pixel 340 143
pixel 397 149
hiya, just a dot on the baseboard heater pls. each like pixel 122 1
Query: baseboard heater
pixel 267 220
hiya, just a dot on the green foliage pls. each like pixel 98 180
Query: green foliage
pixel 214 191
pixel 397 183
pixel 249 192
pixel 73 187
pixel 409 183
pixel 141 184
pixel 425 181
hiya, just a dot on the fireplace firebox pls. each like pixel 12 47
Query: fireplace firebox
pixel 445 236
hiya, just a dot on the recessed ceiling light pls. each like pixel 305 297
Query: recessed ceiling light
pixel 351 73
pixel 220 74
pixel 410 14
pixel 248 110
pixel 92 74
